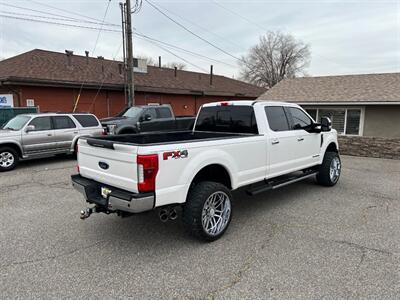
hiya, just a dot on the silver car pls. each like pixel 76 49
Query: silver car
pixel 37 135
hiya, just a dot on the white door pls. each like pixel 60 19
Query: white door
pixel 281 143
pixel 308 142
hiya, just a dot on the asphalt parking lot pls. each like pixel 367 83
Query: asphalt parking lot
pixel 300 242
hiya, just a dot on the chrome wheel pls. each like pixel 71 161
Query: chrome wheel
pixel 6 159
pixel 334 170
pixel 216 213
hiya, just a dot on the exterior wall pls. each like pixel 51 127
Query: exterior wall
pixel 370 146
pixel 107 103
pixel 382 121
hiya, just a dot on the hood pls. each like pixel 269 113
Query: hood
pixel 7 133
pixel 117 120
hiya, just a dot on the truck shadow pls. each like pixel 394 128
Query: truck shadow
pixel 145 229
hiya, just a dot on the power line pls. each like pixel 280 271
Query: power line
pixel 34 10
pixel 53 18
pixel 67 11
pixel 190 31
pixel 264 30
pixel 58 23
pixel 143 36
pixel 179 57
pixel 199 26
pixel 94 49
pixel 104 78
pixel 118 31
pixel 239 15
pixel 137 34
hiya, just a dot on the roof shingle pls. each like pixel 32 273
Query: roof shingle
pixel 383 87
pixel 47 67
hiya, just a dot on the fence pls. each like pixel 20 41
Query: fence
pixel 7 113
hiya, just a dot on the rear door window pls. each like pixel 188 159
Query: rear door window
pixel 41 123
pixel 277 118
pixel 87 120
pixel 234 118
pixel 63 122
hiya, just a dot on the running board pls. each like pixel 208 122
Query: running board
pixel 272 185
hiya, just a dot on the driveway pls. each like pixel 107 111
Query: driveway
pixel 300 242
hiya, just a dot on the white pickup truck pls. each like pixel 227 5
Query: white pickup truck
pixel 253 145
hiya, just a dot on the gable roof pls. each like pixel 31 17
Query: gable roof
pixel 354 89
pixel 41 67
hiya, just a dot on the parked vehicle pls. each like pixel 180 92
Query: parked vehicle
pixel 147 118
pixel 252 145
pixel 37 135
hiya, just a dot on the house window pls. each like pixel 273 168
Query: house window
pixel 344 120
pixel 312 113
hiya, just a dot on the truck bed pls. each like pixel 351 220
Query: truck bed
pixel 161 138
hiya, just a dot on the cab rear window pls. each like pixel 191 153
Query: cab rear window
pixel 234 118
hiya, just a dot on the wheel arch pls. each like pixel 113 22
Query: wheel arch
pixel 213 172
pixel 14 146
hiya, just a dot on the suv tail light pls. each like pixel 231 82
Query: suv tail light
pixel 147 172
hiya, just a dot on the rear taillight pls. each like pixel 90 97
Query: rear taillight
pixel 147 172
pixel 77 169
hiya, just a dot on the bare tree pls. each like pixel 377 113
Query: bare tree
pixel 150 61
pixel 275 57
pixel 172 65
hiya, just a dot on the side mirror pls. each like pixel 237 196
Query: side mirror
pixel 326 124
pixel 30 128
pixel 147 117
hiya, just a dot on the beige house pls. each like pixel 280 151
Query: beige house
pixel 358 105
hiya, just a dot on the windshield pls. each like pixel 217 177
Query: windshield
pixel 16 123
pixel 132 112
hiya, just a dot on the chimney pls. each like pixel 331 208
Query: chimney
pixel 176 71
pixel 211 74
pixel 87 56
pixel 69 54
pixel 102 63
pixel 159 61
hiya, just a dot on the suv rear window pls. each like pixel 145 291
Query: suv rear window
pixel 234 118
pixel 63 122
pixel 87 120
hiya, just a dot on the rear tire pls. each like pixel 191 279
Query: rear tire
pixel 330 169
pixel 208 210
pixel 8 159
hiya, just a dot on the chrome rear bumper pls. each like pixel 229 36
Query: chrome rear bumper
pixel 117 200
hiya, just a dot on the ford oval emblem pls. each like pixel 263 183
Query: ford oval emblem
pixel 103 165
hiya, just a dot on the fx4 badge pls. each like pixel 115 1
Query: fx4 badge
pixel 175 154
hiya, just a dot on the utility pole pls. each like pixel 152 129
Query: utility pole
pixel 129 50
pixel 122 6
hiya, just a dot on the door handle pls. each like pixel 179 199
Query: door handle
pixel 75 132
pixel 49 134
pixel 300 139
pixel 274 142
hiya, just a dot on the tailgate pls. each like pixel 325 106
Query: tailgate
pixel 109 163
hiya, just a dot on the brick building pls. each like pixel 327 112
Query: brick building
pixel 52 81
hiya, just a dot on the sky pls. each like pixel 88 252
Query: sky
pixel 345 37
